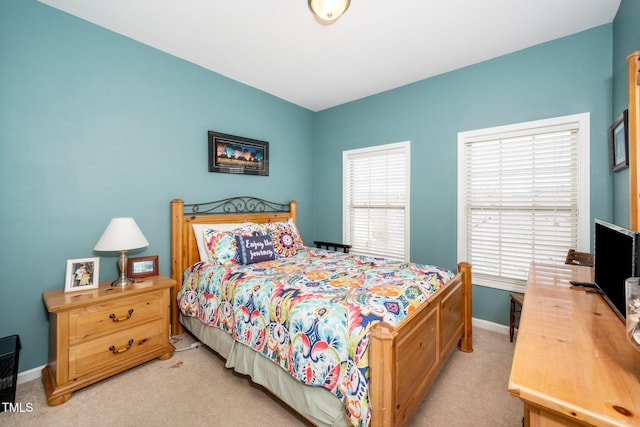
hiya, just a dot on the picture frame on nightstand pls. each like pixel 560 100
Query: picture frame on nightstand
pixel 140 267
pixel 82 274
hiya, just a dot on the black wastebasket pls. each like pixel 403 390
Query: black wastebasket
pixel 9 354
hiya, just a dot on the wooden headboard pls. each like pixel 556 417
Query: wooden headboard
pixel 184 250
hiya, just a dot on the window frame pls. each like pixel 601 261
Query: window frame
pixel 581 122
pixel 405 146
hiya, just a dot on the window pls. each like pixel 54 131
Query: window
pixel 376 200
pixel 523 196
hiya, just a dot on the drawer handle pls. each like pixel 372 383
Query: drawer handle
pixel 115 319
pixel 115 350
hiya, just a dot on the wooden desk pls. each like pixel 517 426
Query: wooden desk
pixel 572 363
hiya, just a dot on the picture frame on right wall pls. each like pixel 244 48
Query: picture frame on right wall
pixel 619 142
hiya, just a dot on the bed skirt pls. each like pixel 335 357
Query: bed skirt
pixel 319 406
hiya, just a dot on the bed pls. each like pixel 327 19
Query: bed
pixel 400 357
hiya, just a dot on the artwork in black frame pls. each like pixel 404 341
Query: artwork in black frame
pixel 236 154
pixel 619 142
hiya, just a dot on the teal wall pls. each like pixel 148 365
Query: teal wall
pixel 565 76
pixel 94 125
pixel 626 36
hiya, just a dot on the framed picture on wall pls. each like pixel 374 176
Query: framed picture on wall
pixel 619 142
pixel 235 154
pixel 82 274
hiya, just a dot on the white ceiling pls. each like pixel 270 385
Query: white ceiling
pixel 278 47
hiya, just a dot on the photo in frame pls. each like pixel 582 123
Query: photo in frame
pixel 619 142
pixel 144 266
pixel 236 154
pixel 82 274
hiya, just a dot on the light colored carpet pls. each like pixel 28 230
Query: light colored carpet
pixel 471 391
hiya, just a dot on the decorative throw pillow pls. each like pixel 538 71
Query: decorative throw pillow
pixel 252 249
pixel 286 238
pixel 222 246
pixel 198 231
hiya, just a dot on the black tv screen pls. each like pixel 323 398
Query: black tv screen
pixel 615 260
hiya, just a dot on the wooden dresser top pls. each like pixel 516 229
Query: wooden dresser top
pixel 59 300
pixel 571 352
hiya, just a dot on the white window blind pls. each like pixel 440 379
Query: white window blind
pixel 523 198
pixel 376 200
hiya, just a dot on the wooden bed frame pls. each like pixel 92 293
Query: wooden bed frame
pixel 404 360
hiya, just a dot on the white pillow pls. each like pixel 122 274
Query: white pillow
pixel 198 231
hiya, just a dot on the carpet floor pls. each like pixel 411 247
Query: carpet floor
pixel 470 391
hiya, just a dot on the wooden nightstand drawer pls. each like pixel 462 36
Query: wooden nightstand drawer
pixel 95 320
pixel 97 333
pixel 114 349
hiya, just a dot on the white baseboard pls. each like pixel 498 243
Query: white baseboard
pixel 491 326
pixel 36 373
pixel 31 374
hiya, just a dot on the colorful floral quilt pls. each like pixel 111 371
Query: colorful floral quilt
pixel 311 313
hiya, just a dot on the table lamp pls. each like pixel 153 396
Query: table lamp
pixel 121 235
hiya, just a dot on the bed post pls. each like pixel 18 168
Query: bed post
pixel 466 343
pixel 293 210
pixel 382 387
pixel 177 256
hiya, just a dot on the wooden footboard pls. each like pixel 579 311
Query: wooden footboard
pixel 405 361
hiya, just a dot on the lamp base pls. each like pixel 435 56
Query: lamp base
pixel 122 281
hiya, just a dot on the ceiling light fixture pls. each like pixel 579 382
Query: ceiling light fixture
pixel 328 11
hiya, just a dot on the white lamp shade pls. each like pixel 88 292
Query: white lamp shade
pixel 328 11
pixel 122 234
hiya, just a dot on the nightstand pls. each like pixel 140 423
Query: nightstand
pixel 97 333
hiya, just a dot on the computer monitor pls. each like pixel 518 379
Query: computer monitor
pixel 615 260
